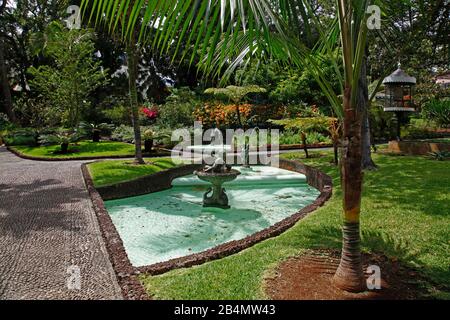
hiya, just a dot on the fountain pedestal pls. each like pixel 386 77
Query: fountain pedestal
pixel 218 198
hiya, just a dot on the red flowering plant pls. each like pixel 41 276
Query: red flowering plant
pixel 149 114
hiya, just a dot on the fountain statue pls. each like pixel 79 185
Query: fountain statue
pixel 245 153
pixel 217 174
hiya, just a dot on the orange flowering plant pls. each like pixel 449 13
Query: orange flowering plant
pixel 222 115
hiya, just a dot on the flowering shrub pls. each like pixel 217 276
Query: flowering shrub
pixel 221 115
pixel 150 113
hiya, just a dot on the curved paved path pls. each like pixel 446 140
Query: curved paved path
pixel 47 225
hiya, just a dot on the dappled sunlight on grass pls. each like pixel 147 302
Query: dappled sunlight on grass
pixel 405 215
pixel 81 149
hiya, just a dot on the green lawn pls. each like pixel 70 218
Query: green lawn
pixel 405 214
pixel 81 149
pixel 441 140
pixel 115 171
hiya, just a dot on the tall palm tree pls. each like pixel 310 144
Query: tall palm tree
pixel 132 64
pixel 224 32
pixel 121 18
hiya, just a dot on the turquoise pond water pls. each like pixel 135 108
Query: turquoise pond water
pixel 169 224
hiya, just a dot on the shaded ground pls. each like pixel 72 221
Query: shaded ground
pixel 47 225
pixel 308 277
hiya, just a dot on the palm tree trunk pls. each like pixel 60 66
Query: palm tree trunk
pixel 349 275
pixel 132 71
pixel 6 90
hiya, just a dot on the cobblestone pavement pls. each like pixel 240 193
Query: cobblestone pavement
pixel 49 231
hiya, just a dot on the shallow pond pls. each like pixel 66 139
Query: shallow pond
pixel 173 223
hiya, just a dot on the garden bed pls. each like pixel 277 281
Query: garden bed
pixel 417 147
pixel 85 150
pixel 109 175
pixel 308 277
pixel 127 274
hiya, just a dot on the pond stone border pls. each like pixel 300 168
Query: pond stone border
pixel 128 275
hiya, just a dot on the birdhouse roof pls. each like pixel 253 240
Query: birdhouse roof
pixel 400 77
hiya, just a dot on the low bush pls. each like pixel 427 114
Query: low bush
pixel 95 130
pixel 4 122
pixel 161 136
pixel 123 133
pixel 222 115
pixel 118 115
pixel 439 155
pixel 61 137
pixel 420 129
pixel 178 111
pixel 21 137
pixel 382 124
pixel 438 110
pixel 293 137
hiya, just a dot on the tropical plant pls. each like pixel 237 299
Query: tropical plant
pixel 292 137
pixel 152 134
pixel 73 75
pixel 95 129
pixel 439 155
pixel 305 126
pixel 4 121
pixel 148 136
pixel 178 110
pixel 62 137
pixel 225 32
pixel 438 111
pixel 20 137
pixel 118 115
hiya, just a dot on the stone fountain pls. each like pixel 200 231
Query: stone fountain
pixel 217 175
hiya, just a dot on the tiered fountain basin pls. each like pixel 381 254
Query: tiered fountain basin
pixel 173 223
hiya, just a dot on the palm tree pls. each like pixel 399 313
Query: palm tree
pixel 125 12
pixel 224 32
pixel 132 63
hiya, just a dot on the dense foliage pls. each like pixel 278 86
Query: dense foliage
pixel 67 81
pixel 438 111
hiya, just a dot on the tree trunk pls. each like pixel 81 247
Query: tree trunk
pixel 132 71
pixel 363 104
pixel 64 147
pixel 6 90
pixel 238 114
pixel 336 156
pixel 349 276
pixel 305 146
pixel 95 135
